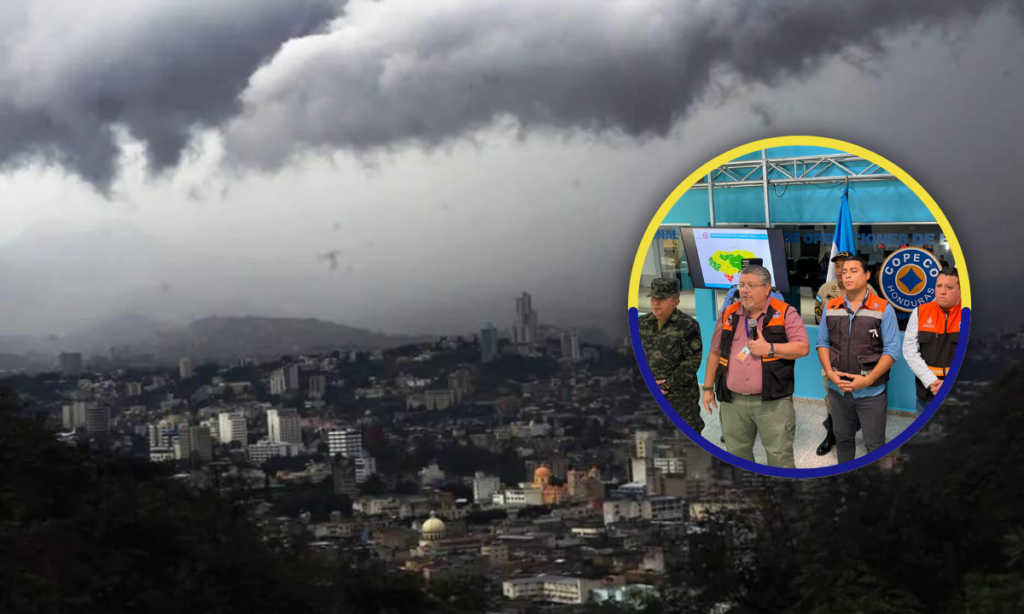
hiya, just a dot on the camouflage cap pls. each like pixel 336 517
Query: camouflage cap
pixel 664 288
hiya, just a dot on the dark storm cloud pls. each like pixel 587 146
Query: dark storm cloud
pixel 403 71
pixel 386 74
pixel 159 69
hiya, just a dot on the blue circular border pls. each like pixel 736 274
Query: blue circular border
pixel 810 472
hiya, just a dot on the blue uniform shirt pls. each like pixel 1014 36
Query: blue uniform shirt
pixel 890 339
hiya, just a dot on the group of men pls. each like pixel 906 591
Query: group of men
pixel 758 338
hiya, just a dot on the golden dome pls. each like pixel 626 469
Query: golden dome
pixel 433 525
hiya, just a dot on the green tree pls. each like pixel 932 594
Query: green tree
pixel 372 486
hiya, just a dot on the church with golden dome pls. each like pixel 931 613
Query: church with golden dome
pixel 437 543
pixel 432 530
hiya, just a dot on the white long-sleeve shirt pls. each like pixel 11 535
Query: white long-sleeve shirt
pixel 912 353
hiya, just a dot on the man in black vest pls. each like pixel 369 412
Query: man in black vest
pixel 858 342
pixel 753 353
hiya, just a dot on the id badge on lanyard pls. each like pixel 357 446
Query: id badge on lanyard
pixel 745 352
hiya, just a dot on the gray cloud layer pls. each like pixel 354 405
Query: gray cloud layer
pixel 441 243
pixel 385 74
pixel 403 71
pixel 160 69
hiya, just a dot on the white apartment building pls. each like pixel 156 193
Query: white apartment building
pixel 278 382
pixel 345 441
pixel 232 427
pixel 663 508
pixel 263 451
pixel 556 589
pixel 670 464
pixel 484 487
pixel 522 497
pixel 283 426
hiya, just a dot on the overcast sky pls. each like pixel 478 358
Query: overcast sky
pixel 410 166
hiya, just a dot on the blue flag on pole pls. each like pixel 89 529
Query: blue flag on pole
pixel 842 239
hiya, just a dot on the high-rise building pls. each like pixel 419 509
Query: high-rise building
pixel 232 427
pixel 185 368
pixel 133 389
pixel 640 469
pixel 263 451
pixel 526 322
pixel 488 344
pixel 278 382
pixel 283 426
pixel 70 363
pixel 292 374
pixel 156 436
pixel 571 346
pixel 365 467
pixel 460 382
pixel 484 487
pixel 343 471
pixel 317 386
pixel 68 417
pixel 97 419
pixel 194 443
pixel 163 434
pixel 74 415
pixel 346 441
pixel 644 444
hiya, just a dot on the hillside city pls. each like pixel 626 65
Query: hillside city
pixel 540 465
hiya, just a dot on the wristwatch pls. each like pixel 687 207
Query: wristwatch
pixel 771 350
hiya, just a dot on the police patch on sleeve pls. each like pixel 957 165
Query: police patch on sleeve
pixel 695 344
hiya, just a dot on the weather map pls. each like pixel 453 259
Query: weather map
pixel 721 253
pixel 729 263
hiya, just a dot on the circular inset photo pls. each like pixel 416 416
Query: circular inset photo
pixel 799 307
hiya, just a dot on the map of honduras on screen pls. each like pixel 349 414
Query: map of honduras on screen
pixel 722 252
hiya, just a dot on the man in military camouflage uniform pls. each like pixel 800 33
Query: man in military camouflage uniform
pixel 672 346
pixel 828 291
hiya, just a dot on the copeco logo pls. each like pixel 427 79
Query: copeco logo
pixel 907 278
pixel 705 235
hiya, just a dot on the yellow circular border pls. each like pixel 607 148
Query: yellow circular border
pixel 797 141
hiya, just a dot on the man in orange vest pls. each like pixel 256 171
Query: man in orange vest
pixel 932 336
pixel 858 342
pixel 751 369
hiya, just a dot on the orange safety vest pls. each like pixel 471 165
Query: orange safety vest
pixel 938 333
pixel 777 379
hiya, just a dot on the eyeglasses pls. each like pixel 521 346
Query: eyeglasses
pixel 750 286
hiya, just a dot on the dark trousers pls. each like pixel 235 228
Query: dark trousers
pixel 847 411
